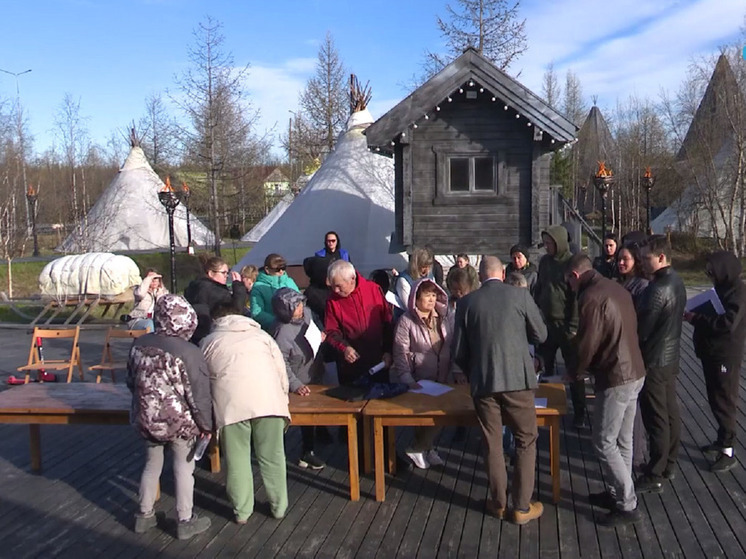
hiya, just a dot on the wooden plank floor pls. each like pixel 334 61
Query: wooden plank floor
pixel 83 503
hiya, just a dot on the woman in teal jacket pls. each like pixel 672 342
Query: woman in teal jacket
pixel 271 278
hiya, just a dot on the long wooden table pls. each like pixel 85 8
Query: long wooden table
pixel 453 408
pixel 63 404
pixel 109 404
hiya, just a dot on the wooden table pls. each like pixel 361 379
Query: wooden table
pixel 63 404
pixel 317 409
pixel 453 408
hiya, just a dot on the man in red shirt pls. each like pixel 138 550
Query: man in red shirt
pixel 358 324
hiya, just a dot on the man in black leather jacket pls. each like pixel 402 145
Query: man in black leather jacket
pixel 659 329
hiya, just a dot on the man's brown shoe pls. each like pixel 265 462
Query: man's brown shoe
pixel 524 517
pixel 491 508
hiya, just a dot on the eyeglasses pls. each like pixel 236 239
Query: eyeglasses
pixel 280 269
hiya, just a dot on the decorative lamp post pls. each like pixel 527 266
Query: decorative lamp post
pixel 170 200
pixel 32 197
pixel 648 180
pixel 603 181
pixel 185 194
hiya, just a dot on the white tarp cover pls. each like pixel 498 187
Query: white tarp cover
pixel 352 193
pixel 258 231
pixel 94 273
pixel 128 215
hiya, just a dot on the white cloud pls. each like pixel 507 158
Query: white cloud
pixel 274 90
pixel 649 45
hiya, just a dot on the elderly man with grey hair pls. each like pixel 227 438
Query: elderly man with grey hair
pixel 358 324
pixel 494 327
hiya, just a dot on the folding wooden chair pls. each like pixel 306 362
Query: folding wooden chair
pixel 107 360
pixel 36 360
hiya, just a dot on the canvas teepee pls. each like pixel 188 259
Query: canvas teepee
pixel 258 231
pixel 352 193
pixel 128 215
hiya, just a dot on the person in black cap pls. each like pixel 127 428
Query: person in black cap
pixel 519 263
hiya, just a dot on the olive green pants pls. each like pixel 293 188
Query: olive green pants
pixel 266 436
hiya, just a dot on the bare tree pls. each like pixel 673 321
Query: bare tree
pixel 221 119
pixel 574 105
pixel 324 101
pixel 73 136
pixel 158 134
pixel 493 27
pixel 550 87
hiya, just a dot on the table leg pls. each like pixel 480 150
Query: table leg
pixel 554 457
pixel 391 435
pixel 352 451
pixel 367 462
pixel 378 453
pixel 214 451
pixel 35 447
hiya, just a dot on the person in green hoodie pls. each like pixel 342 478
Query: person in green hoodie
pixel 270 278
pixel 559 306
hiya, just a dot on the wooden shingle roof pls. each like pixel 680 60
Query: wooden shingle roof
pixel 470 66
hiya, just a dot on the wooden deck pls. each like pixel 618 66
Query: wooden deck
pixel 83 503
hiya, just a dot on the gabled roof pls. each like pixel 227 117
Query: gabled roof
pixel 470 66
pixel 595 143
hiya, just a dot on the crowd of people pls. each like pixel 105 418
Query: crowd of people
pixel 617 320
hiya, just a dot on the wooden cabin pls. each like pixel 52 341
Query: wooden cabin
pixel 472 148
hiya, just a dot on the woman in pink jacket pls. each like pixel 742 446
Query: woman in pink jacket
pixel 422 352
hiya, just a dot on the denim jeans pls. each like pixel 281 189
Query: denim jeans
pixel 613 423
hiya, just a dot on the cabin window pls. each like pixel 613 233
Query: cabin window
pixel 471 174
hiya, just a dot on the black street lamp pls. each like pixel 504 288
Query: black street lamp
pixel 648 180
pixel 185 194
pixel 603 181
pixel 32 197
pixel 170 200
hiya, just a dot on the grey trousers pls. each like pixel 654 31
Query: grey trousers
pixel 613 424
pixel 183 476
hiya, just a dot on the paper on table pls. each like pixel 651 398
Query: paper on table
pixel 431 388
pixel 709 296
pixel 313 337
pixel 540 402
pixel 392 298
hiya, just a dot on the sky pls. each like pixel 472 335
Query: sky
pixel 113 54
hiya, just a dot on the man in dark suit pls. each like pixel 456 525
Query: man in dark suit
pixel 494 326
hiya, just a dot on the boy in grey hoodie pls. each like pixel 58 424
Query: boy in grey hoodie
pixel 303 366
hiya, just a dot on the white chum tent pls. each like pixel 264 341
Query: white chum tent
pixel 352 193
pixel 258 231
pixel 128 215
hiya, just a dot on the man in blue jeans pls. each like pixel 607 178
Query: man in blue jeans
pixel 609 350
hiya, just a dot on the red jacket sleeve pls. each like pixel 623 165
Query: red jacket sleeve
pixel 333 328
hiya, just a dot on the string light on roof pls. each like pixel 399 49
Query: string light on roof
pixel 393 143
pixel 494 99
pixel 460 89
pixel 517 115
pixel 449 99
pixel 528 124
pixel 414 125
pixel 481 90
pixel 378 149
pixel 471 83
pixel 437 108
pixel 505 107
pixel 427 117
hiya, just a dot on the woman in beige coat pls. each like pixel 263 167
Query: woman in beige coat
pixel 250 402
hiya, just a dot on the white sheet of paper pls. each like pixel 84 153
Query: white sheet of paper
pixel 313 337
pixel 701 298
pixel 431 388
pixel 540 402
pixel 392 298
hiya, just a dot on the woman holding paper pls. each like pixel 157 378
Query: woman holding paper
pixel 299 338
pixel 422 352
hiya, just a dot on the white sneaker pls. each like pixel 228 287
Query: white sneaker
pixel 434 458
pixel 419 460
